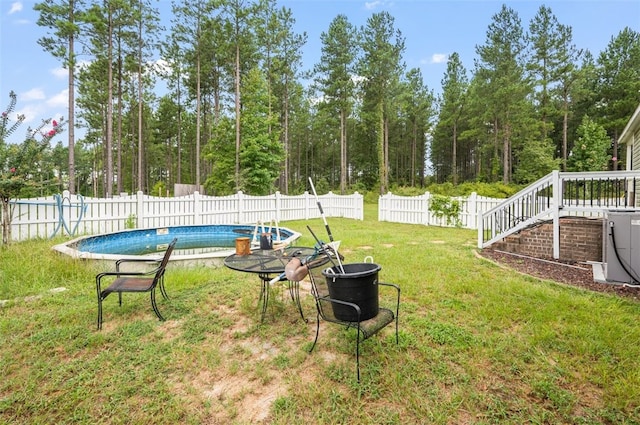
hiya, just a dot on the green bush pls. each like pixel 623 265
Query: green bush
pixel 445 207
pixel 491 190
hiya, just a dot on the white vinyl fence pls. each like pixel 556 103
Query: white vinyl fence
pixel 418 210
pixel 77 215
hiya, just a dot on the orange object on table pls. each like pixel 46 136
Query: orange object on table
pixel 243 246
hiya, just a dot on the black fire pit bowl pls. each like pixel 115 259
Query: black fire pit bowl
pixel 359 285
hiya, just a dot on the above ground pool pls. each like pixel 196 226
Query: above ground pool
pixel 197 242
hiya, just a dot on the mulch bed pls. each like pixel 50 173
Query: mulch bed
pixel 576 274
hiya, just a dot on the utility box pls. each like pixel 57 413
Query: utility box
pixel 621 246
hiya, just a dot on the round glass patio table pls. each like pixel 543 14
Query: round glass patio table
pixel 268 264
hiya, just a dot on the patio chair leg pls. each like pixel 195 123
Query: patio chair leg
pixel 358 353
pixel 99 313
pixel 163 291
pixel 154 305
pixel 397 339
pixel 317 332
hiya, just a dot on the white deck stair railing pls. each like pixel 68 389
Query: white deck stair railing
pixel 559 194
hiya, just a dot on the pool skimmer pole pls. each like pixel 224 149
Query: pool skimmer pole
pixel 331 243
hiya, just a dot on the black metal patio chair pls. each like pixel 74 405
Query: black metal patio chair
pixel 326 305
pixel 135 281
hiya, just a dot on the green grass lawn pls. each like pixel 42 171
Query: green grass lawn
pixel 478 344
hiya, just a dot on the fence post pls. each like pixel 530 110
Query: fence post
pixel 472 211
pixel 359 200
pixel 557 190
pixel 327 205
pixel 140 216
pixel 197 208
pixel 384 204
pixel 307 208
pixel 278 200
pixel 480 230
pixel 240 207
pixel 425 207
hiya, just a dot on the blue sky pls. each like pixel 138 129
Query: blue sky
pixel 433 29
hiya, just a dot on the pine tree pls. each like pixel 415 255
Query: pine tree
pixel 590 150
pixel 381 67
pixel 455 85
pixel 334 76
pixel 65 19
pixel 262 152
pixel 502 83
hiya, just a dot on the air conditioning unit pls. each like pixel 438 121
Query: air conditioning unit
pixel 621 247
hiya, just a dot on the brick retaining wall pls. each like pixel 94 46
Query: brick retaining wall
pixel 580 240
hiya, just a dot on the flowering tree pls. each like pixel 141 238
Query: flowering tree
pixel 18 162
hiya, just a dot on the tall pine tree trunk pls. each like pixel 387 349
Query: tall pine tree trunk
pixel 237 82
pixel 380 143
pixel 108 188
pixel 343 151
pixel 454 155
pixel 506 155
pixel 565 135
pixel 71 88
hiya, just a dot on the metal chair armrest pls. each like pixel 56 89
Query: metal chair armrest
pixel 356 307
pixel 154 261
pixel 393 285
pixel 138 260
pixel 397 288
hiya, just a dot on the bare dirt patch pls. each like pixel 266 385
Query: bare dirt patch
pixel 241 399
pixel 238 391
pixel 244 387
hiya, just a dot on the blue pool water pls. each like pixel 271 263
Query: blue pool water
pixel 197 241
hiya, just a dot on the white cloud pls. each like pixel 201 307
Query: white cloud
pixel 161 66
pixel 60 72
pixel 372 5
pixel 31 113
pixel 378 4
pixel 82 64
pixel 15 7
pixel 439 58
pixel 33 94
pixel 35 113
pixel 36 107
pixel 61 99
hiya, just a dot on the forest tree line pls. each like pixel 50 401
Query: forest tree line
pixel 240 113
